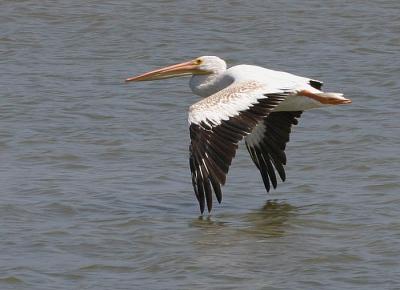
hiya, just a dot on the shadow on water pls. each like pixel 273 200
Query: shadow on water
pixel 271 220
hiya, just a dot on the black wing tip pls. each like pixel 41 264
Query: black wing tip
pixel 201 210
pixel 209 203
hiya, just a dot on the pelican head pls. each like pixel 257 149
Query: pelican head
pixel 203 65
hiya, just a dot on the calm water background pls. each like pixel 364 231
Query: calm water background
pixel 95 190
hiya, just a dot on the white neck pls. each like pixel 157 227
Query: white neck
pixel 206 85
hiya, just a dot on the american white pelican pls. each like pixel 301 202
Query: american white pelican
pixel 244 101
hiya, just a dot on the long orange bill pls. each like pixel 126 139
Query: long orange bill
pixel 181 69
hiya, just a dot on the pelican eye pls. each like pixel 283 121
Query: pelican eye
pixel 198 61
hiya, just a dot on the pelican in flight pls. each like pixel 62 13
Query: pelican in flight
pixel 242 102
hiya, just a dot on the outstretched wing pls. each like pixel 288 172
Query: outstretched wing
pixel 217 124
pixel 267 142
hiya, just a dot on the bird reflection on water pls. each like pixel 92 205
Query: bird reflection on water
pixel 271 220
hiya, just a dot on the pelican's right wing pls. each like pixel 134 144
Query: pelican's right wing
pixel 217 124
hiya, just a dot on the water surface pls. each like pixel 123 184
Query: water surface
pixel 94 177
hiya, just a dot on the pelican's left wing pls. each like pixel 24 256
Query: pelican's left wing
pixel 267 142
pixel 217 124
